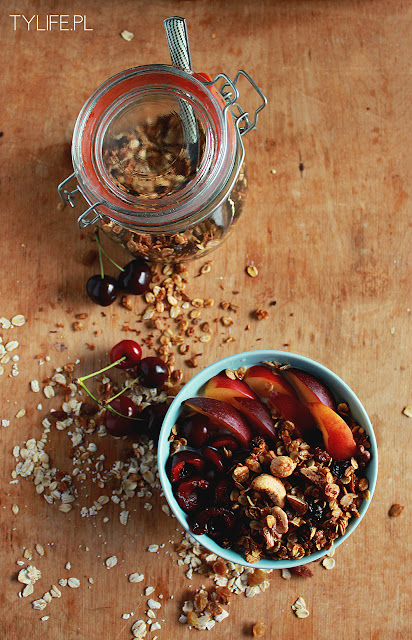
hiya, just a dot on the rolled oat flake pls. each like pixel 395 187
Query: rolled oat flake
pixel 158 155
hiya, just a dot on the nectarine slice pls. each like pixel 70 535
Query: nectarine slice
pixel 223 388
pixel 264 380
pixel 337 436
pixel 309 388
pixel 224 415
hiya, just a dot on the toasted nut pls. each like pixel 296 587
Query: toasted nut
pixel 396 510
pixel 282 466
pixel 281 522
pixel 240 473
pixel 272 487
pixel 300 506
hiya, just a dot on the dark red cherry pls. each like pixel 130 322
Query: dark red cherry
pixel 124 424
pixel 102 291
pixel 215 522
pixel 225 441
pixel 222 492
pixel 135 277
pixel 152 372
pixel 196 430
pixel 192 494
pixel 128 349
pixel 152 419
pixel 184 464
pixel 215 457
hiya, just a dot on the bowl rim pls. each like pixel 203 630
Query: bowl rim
pixel 339 389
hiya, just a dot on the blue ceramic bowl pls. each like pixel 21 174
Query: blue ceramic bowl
pixel 195 387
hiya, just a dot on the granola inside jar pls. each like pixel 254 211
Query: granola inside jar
pixel 158 155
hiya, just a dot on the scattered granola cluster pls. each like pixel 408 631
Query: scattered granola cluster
pixel 8 349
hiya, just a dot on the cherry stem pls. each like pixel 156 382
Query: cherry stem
pixel 96 373
pixel 101 250
pixel 106 403
pixel 122 390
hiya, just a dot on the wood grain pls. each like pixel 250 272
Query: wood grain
pixel 328 229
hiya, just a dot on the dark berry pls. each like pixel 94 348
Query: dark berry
pixel 102 291
pixel 315 509
pixel 152 372
pixel 196 430
pixel 192 494
pixel 215 522
pixel 184 464
pixel 135 277
pixel 338 467
pixel 128 349
pixel 222 492
pixel 152 419
pixel 124 424
pixel 321 455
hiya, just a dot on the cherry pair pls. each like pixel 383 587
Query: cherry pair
pixel 135 278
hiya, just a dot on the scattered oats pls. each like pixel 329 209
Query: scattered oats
pixel 39 406
pixel 55 591
pixel 44 618
pixel 328 563
pixel 252 271
pixel 63 582
pixel 67 566
pixel 74 583
pixel 286 574
pixel 155 626
pixel 331 553
pixel 39 549
pixel 5 324
pixel 150 614
pixel 148 506
pixel 124 515
pixel 125 616
pixel 299 608
pixel 47 597
pixel 153 548
pixel 28 590
pixel 18 321
pixel 165 509
pixel 27 554
pixel 149 590
pixel 21 413
pixel 139 629
pixel 111 562
pixel 15 509
pixel 136 577
pixel 153 604
pixel 65 507
pixel 301 613
pixel 127 35
pixel 48 391
pixel 6 423
pixel 39 604
pixel 408 411
pixel 1 372
pixel 12 345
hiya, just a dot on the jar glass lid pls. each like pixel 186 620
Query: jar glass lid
pixel 153 147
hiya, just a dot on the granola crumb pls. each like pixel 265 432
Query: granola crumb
pixel 328 563
pixel 259 630
pixel 261 314
pixel 407 411
pixel 15 509
pixel 110 562
pixel 252 271
pixel 396 510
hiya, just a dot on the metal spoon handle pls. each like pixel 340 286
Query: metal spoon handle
pixel 178 42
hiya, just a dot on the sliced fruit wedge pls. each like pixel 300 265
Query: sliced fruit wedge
pixel 337 436
pixel 309 388
pixel 223 388
pixel 224 415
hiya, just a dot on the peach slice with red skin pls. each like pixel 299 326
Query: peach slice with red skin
pixel 337 435
pixel 224 416
pixel 291 409
pixel 309 388
pixel 257 415
pixel 264 380
pixel 223 388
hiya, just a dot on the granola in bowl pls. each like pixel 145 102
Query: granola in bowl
pixel 269 458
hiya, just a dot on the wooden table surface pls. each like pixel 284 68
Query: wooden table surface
pixel 326 223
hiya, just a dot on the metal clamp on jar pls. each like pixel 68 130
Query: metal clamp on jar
pixel 158 155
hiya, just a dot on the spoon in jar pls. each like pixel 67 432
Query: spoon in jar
pixel 178 43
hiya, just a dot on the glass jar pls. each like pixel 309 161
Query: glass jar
pixel 158 155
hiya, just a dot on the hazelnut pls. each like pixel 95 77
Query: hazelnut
pixel 282 466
